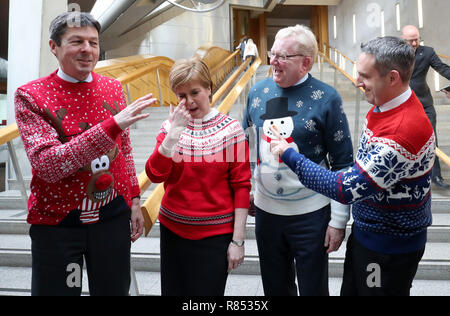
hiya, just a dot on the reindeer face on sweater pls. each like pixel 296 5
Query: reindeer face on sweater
pixel 101 184
pixel 100 189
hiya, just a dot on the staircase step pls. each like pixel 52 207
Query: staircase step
pixel 15 251
pixel 14 223
pixel 149 283
pixel 16 282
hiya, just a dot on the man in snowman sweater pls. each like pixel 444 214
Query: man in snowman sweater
pixel 293 223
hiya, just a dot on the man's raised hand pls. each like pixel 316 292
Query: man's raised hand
pixel 278 145
pixel 133 112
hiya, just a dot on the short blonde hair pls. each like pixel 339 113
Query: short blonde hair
pixel 306 40
pixel 186 70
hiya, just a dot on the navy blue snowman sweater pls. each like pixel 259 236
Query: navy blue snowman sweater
pixel 309 116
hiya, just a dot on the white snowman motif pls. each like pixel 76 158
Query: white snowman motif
pixel 276 179
pixel 285 127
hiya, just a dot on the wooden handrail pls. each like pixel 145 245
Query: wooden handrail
pixel 166 65
pixel 348 58
pixel 205 51
pixel 125 79
pixel 214 57
pixel 9 133
pixel 223 88
pixel 150 208
pixel 144 182
pixel 354 62
pixel 137 60
pixel 443 56
pixel 343 55
pixel 222 63
pixel 439 153
pixel 443 156
pixel 346 75
pixel 229 100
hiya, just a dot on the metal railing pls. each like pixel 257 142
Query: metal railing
pixel 128 79
pixel 220 61
pixel 358 95
pixel 224 87
pixel 342 61
pixel 437 76
pixel 358 92
pixel 222 69
pixel 7 136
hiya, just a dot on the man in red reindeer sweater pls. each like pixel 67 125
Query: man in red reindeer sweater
pixel 74 126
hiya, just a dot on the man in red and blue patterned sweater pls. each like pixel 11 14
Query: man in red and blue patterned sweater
pixel 74 126
pixel 389 184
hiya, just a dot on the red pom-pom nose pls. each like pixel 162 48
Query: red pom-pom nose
pixel 103 182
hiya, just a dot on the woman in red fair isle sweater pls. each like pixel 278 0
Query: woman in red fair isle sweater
pixel 202 157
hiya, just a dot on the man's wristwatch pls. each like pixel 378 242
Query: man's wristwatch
pixel 239 243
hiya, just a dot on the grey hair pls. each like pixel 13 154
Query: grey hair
pixel 306 40
pixel 60 24
pixel 391 53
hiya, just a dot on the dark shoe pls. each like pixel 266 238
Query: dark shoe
pixel 439 182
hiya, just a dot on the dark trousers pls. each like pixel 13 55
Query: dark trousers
pixel 193 267
pixel 368 273
pixel 430 111
pixel 57 258
pixel 291 246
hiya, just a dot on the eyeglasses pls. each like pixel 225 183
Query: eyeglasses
pixel 283 57
pixel 410 41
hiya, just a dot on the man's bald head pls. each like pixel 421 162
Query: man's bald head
pixel 411 34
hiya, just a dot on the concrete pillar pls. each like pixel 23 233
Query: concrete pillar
pixel 29 56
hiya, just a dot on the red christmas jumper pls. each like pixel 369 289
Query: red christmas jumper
pixel 208 177
pixel 70 137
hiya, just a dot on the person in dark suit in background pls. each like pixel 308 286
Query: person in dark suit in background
pixel 426 57
pixel 446 90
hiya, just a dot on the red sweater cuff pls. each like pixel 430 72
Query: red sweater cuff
pixel 242 198
pixel 135 191
pixel 158 166
pixel 111 128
